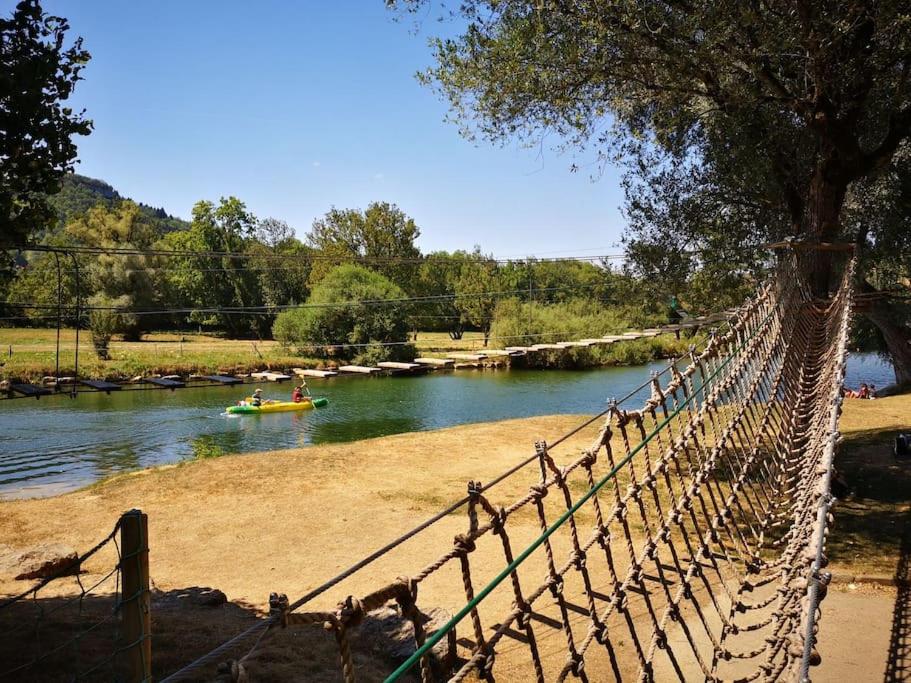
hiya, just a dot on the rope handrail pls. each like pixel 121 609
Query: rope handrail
pixel 534 545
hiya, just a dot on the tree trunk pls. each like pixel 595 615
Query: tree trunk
pixel 897 337
pixel 825 199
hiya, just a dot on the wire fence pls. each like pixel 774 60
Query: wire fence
pixel 81 624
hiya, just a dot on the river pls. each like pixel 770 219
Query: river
pixel 58 444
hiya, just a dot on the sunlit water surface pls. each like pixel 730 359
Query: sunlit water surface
pixel 58 444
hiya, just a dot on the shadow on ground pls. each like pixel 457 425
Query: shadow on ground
pixel 871 522
pixel 898 664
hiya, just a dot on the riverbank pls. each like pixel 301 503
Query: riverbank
pixel 287 520
pixel 387 483
pixel 28 355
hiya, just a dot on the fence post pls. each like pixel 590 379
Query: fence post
pixel 136 615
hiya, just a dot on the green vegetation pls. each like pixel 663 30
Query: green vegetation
pixel 363 333
pixel 739 124
pixel 523 324
pixel 39 72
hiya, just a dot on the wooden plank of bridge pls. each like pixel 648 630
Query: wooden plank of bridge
pixel 100 385
pixel 517 350
pixel 223 379
pixel 394 365
pixel 270 376
pixel 467 356
pixel 544 347
pixel 358 369
pixel 165 382
pixel 30 390
pixel 436 362
pixel 309 372
pixel 497 353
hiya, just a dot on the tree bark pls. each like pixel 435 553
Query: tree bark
pixel 825 199
pixel 896 335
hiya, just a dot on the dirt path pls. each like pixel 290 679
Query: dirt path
pixel 288 520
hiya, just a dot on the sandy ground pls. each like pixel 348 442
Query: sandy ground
pixel 286 521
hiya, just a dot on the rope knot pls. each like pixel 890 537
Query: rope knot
pixel 350 612
pixel 464 544
pixel 407 595
pixel 578 559
pixel 599 630
pixel 539 491
pixel 555 584
pixel 576 664
pixel 589 459
pixel 278 608
pixel 474 490
pixel 498 521
pixel 485 667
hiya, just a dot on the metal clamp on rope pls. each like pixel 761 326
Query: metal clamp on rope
pixel 278 608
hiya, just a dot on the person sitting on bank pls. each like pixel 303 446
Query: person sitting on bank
pixel 257 398
pixel 864 391
pixel 872 393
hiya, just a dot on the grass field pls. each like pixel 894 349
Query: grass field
pixel 29 354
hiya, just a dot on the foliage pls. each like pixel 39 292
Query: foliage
pixel 127 278
pixel 476 292
pixel 105 319
pixel 207 284
pixel 80 193
pixel 742 122
pixel 38 72
pixel 381 232
pixel 519 323
pixel 348 329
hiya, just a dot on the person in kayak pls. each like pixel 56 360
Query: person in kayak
pixel 257 398
pixel 297 395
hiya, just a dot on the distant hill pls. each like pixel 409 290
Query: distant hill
pixel 79 193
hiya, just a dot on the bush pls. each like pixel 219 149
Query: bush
pixel 524 324
pixel 103 324
pixel 347 332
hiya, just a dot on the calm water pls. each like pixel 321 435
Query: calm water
pixel 59 444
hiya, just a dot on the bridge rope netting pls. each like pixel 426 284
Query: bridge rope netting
pixel 686 542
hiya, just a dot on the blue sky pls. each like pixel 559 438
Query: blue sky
pixel 300 106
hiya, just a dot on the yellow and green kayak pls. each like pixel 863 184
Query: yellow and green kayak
pixel 276 406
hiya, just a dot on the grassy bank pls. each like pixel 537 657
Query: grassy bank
pixel 29 354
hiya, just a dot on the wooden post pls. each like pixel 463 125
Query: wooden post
pixel 136 615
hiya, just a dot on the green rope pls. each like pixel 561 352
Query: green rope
pixel 462 613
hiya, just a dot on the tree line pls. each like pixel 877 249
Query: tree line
pixel 230 273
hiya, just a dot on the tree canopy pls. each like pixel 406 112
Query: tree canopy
pixel 740 123
pixel 38 72
pixel 335 316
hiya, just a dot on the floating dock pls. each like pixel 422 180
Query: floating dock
pixel 474 357
pixel 359 369
pixel 101 385
pixel 165 382
pixel 308 372
pixel 270 376
pixel 223 379
pixel 30 390
pixel 436 362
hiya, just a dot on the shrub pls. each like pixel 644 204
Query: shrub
pixel 354 331
pixel 104 323
pixel 523 324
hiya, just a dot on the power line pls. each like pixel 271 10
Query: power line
pixel 467 258
pixel 271 309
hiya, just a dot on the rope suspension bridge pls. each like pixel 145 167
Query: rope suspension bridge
pixel 688 540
